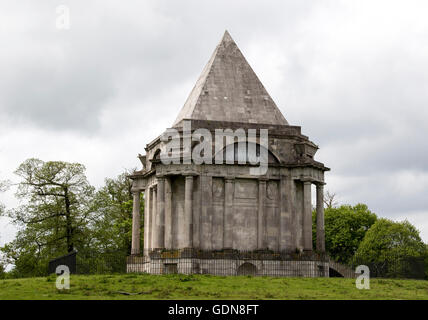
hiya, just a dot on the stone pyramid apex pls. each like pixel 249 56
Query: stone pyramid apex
pixel 226 37
pixel 228 90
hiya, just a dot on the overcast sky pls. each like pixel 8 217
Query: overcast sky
pixel 353 74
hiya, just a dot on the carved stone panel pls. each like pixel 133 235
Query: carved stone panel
pixel 246 189
pixel 272 190
pixel 245 214
pixel 218 189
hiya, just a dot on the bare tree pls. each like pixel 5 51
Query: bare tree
pixel 330 200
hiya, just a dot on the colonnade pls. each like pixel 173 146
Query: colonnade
pixel 294 225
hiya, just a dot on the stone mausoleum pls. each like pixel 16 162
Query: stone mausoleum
pixel 218 218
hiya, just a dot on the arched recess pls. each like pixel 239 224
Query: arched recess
pixel 156 155
pixel 246 269
pixel 155 159
pixel 237 153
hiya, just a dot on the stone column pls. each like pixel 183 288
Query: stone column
pixel 261 226
pixel 296 219
pixel 205 233
pixel 146 220
pixel 160 212
pixel 228 213
pixel 188 212
pixel 135 247
pixel 154 210
pixel 320 218
pixel 197 209
pixel 150 223
pixel 307 216
pixel 285 243
pixel 168 213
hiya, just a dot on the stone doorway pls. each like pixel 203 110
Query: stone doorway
pixel 170 268
pixel 247 269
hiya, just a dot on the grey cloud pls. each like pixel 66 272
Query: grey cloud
pixel 353 75
pixel 68 77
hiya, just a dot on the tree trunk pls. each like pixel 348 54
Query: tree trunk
pixel 69 227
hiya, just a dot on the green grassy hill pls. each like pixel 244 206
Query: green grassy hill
pixel 209 287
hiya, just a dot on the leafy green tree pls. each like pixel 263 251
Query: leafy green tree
pixel 2 266
pixel 426 261
pixel 113 205
pixel 394 248
pixel 4 185
pixel 345 228
pixel 111 230
pixel 55 215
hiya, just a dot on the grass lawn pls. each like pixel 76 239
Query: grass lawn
pixel 209 287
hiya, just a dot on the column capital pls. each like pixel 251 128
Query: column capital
pixel 136 191
pixel 320 184
pixel 229 179
pixel 189 173
pixel 263 180
pixel 188 177
pixel 305 178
